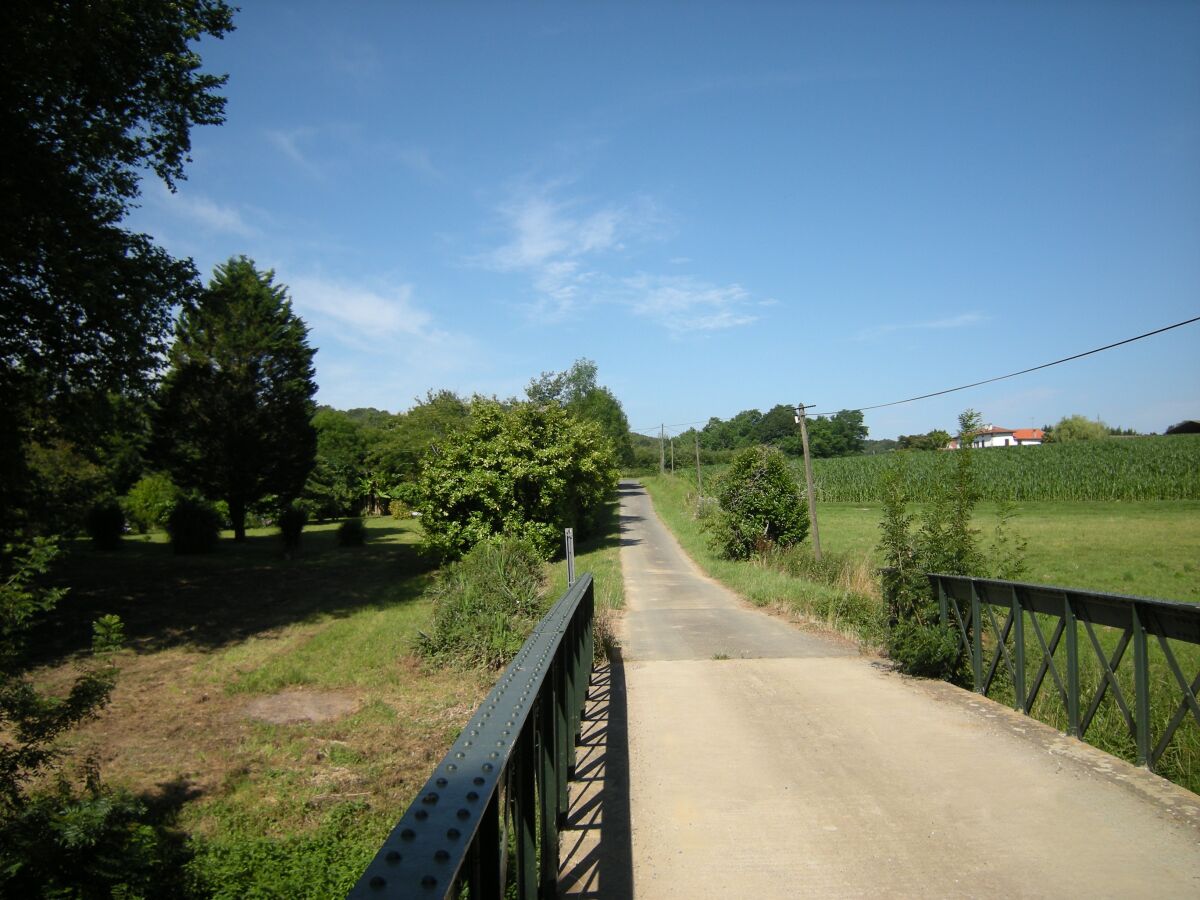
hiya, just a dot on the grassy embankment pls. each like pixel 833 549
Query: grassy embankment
pixel 216 644
pixel 1146 548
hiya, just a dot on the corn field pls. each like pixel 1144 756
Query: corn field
pixel 1139 468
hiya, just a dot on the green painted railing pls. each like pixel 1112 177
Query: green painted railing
pixel 969 605
pixel 500 794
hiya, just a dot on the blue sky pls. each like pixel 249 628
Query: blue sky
pixel 726 206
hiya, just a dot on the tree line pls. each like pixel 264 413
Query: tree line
pixel 840 434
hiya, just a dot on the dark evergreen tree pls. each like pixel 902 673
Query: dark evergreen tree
pixel 234 418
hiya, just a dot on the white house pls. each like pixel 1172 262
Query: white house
pixel 994 436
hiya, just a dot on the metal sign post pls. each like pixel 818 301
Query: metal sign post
pixel 569 539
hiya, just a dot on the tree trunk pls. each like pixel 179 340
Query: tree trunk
pixel 237 516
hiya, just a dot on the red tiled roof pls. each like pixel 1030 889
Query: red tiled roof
pixel 1029 434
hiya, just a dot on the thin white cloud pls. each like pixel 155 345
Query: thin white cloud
pixel 963 320
pixel 544 234
pixel 206 213
pixel 377 346
pixel 370 313
pixel 684 305
pixel 562 245
pixel 288 143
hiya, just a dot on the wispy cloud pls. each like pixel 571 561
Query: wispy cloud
pixel 683 305
pixel 369 313
pixel 378 347
pixel 963 320
pixel 572 253
pixel 565 244
pixel 206 213
pixel 546 233
pixel 289 144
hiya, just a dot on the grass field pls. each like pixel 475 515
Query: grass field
pixel 219 645
pixel 1149 548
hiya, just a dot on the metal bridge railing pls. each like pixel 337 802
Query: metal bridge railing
pixel 501 791
pixel 969 606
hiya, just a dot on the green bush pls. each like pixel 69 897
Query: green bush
pixel 150 501
pixel 292 519
pixel 194 526
pixel 352 533
pixel 95 843
pixel 529 470
pixel 105 523
pixel 761 507
pixel 486 604
pixel 929 651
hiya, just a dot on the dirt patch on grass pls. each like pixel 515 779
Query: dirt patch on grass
pixel 288 707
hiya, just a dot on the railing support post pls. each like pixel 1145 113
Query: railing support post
pixel 1141 687
pixel 562 732
pixel 976 639
pixel 525 814
pixel 548 790
pixel 1071 633
pixel 1018 619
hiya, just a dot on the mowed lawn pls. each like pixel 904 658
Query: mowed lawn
pixel 230 655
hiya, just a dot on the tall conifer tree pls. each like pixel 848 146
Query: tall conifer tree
pixel 234 418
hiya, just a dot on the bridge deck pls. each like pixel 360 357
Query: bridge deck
pixel 797 767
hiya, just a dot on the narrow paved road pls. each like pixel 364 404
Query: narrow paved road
pixel 796 767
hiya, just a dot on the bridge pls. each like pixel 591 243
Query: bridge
pixel 724 752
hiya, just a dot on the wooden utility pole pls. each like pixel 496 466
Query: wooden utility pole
pixel 662 450
pixel 672 456
pixel 699 480
pixel 812 503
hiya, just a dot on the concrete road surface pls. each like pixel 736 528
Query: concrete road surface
pixel 798 768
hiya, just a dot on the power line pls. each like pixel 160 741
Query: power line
pixel 1056 362
pixel 973 384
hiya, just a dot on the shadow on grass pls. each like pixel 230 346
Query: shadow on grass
pixel 214 599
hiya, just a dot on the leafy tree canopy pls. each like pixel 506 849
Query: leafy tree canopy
pixel 1079 428
pixel 934 440
pixel 576 391
pixel 528 470
pixel 842 434
pixel 234 417
pixel 92 94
